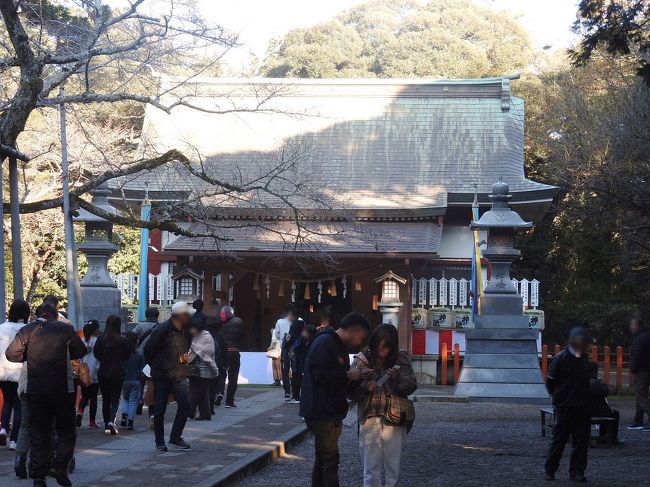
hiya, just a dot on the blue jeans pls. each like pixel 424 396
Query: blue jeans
pixel 130 398
pixel 179 391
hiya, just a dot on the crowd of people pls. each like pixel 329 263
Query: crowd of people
pixel 47 370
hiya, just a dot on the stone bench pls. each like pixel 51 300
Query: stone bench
pixel 604 424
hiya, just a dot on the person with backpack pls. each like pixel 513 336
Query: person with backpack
pixel 112 350
pixel 132 382
pixel 48 345
pixel 89 391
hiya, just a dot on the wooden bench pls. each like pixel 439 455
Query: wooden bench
pixel 604 423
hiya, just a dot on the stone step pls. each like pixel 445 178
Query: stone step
pixel 490 390
pixel 431 398
pixel 501 334
pixel 502 321
pixel 496 375
pixel 502 346
pixel 501 360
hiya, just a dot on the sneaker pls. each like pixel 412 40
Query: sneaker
pixel 294 401
pixel 218 401
pixel 92 425
pixel 130 425
pixel 635 426
pixel 12 445
pixel 287 397
pixel 123 422
pixel 179 443
pixel 162 448
pixel 139 409
pixel 80 416
pixel 230 405
pixel 112 429
pixel 20 466
pixel 151 423
pixel 3 437
pixel 646 429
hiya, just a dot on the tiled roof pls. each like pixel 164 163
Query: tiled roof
pixel 404 237
pixel 376 144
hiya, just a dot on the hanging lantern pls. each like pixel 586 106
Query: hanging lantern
pixel 267 282
pixel 311 308
pixel 357 285
pixel 344 281
pixel 293 291
pixel 256 282
pixel 333 289
pixel 281 289
pixel 320 291
pixel 375 302
pixel 307 292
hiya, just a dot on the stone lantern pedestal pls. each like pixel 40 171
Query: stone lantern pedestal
pixel 100 296
pixel 390 303
pixel 501 359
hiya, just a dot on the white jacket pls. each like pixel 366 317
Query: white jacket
pixel 9 371
pixel 90 359
pixel 281 330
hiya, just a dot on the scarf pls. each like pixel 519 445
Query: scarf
pixel 203 347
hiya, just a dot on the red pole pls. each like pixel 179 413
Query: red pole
pixel 444 364
pixel 456 362
pixel 594 354
pixel 545 361
pixel 619 369
pixel 608 363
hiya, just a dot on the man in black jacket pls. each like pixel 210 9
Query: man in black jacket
pixel 640 367
pixel 166 352
pixel 48 345
pixel 568 380
pixel 234 334
pixel 323 401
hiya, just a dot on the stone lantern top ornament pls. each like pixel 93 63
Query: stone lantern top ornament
pixel 500 215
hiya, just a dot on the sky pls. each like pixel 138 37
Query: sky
pixel 259 21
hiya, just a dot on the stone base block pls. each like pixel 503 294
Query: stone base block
pixel 425 369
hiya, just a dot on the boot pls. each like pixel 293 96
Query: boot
pixel 20 466
pixel 130 425
pixel 124 419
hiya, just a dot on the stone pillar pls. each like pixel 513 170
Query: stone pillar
pixel 390 313
pixel 501 359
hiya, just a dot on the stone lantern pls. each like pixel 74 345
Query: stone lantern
pixel 501 352
pixel 100 296
pixel 390 303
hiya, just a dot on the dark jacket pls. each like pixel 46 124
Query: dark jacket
pixel 295 330
pixel 112 356
pixel 163 351
pixel 133 367
pixel 234 334
pixel 300 351
pixel 48 347
pixel 640 352
pixel 569 379
pixel 325 381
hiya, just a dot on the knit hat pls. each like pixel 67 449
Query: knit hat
pixel 226 313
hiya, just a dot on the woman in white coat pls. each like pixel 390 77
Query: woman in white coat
pixel 10 372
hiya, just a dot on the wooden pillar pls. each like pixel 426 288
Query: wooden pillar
pixel 444 357
pixel 456 362
pixel 545 361
pixel 607 359
pixel 619 369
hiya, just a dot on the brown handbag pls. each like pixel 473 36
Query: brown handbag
pixel 84 374
pixel 400 411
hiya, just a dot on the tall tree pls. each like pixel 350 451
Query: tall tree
pixel 621 27
pixel 400 38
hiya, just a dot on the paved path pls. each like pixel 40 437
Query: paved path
pixel 130 460
pixel 477 445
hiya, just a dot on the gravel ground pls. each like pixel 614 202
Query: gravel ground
pixel 477 444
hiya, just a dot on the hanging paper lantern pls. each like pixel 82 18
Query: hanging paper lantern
pixel 293 291
pixel 307 292
pixel 375 302
pixel 333 289
pixel 357 285
pixel 320 291
pixel 267 281
pixel 344 281
pixel 256 282
pixel 281 289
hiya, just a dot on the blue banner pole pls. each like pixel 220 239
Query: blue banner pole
pixel 143 279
